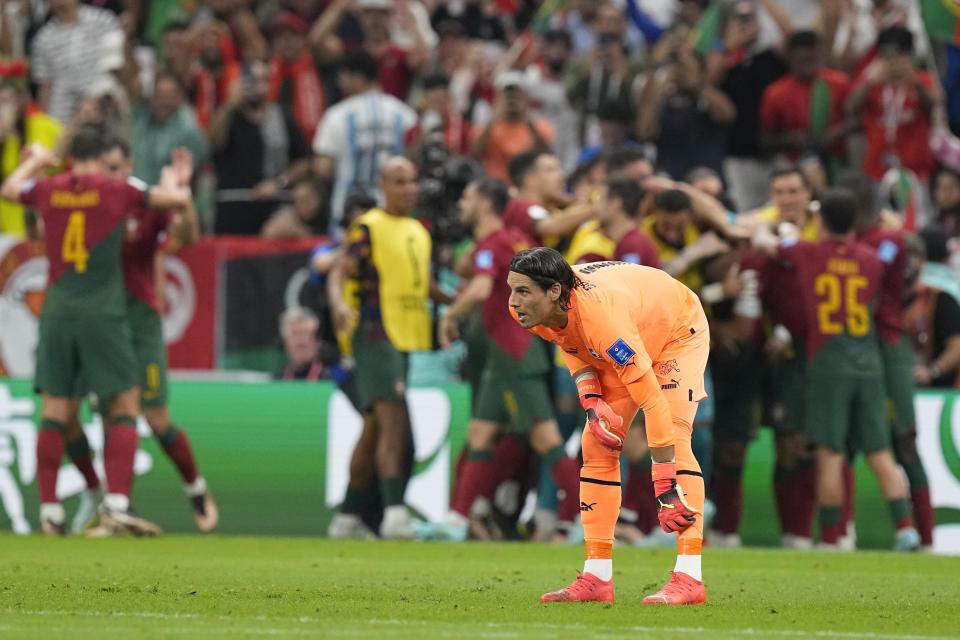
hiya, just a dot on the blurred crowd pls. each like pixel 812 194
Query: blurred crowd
pixel 731 115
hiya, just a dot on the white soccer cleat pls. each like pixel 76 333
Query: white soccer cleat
pixel 719 540
pixel 790 541
pixel 906 539
pixel 397 524
pixel 86 510
pixel 346 526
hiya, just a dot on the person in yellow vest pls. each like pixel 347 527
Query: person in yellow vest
pixel 388 256
pixel 22 123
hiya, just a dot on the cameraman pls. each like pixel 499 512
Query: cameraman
pixel 258 151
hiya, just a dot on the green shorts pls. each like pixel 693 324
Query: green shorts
pixel 78 355
pixel 381 371
pixel 736 392
pixel 843 413
pixel 898 375
pixel 517 402
pixel 783 395
pixel 150 351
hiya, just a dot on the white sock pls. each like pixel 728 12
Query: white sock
pixel 197 488
pixel 52 511
pixel 689 565
pixel 397 512
pixel 602 568
pixel 117 502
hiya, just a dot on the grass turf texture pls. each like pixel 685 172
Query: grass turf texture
pixel 192 587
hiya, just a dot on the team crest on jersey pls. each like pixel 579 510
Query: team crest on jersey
pixel 483 259
pixel 887 251
pixel 667 367
pixel 620 352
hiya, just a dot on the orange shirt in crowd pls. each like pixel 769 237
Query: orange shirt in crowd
pixel 507 139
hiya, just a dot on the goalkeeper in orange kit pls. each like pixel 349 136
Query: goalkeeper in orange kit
pixel 634 339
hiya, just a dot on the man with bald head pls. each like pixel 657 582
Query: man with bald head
pixel 387 257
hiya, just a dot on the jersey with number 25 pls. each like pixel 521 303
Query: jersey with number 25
pixel 83 218
pixel 838 282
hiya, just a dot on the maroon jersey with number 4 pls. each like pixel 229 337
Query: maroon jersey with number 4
pixel 83 218
pixel 142 242
pixel 888 247
pixel 838 282
pixel 492 257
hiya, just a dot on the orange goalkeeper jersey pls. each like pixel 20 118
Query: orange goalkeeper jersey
pixel 622 319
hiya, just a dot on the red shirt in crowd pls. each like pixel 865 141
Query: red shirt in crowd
pixel 786 103
pixel 896 123
pixel 523 215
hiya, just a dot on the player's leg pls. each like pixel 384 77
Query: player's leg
pixel 476 477
pixel 151 354
pixel 600 492
pixel 57 377
pixel 569 415
pixel 735 391
pixel 78 450
pixel 381 375
pixel 638 511
pixel 348 521
pixel 827 417
pixel 683 386
pixel 109 368
pixel 872 436
pixel 50 447
pixel 898 373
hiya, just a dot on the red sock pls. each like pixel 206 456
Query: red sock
pixel 476 479
pixel 804 500
pixel 78 450
pixel 118 455
pixel 923 514
pixel 849 494
pixel 181 455
pixel 784 497
pixel 727 488
pixel 831 534
pixel 566 473
pixel 49 453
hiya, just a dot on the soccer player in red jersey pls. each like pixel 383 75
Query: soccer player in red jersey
pixel 141 250
pixel 838 282
pixel 513 390
pixel 85 339
pixel 895 347
pixel 617 216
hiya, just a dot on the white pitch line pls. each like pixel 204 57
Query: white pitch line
pixel 748 632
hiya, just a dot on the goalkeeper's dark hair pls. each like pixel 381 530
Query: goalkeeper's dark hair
pixel 494 192
pixel 89 143
pixel 628 192
pixel 838 210
pixel 546 267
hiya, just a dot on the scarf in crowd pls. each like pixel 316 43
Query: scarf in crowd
pixel 308 99
pixel 211 92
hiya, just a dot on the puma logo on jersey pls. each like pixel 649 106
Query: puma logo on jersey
pixel 587 507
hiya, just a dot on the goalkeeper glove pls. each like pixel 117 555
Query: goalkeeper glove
pixel 673 512
pixel 602 420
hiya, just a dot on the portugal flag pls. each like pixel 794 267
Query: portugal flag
pixel 941 18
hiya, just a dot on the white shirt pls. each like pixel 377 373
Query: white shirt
pixel 361 133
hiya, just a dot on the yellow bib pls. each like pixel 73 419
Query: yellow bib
pixel 401 249
pixel 42 129
pixel 587 240
pixel 692 276
pixel 811 228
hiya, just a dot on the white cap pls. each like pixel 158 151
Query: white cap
pixel 509 79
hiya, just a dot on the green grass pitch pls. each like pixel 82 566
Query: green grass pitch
pixel 231 587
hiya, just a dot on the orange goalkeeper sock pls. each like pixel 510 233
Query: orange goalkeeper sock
pixel 690 479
